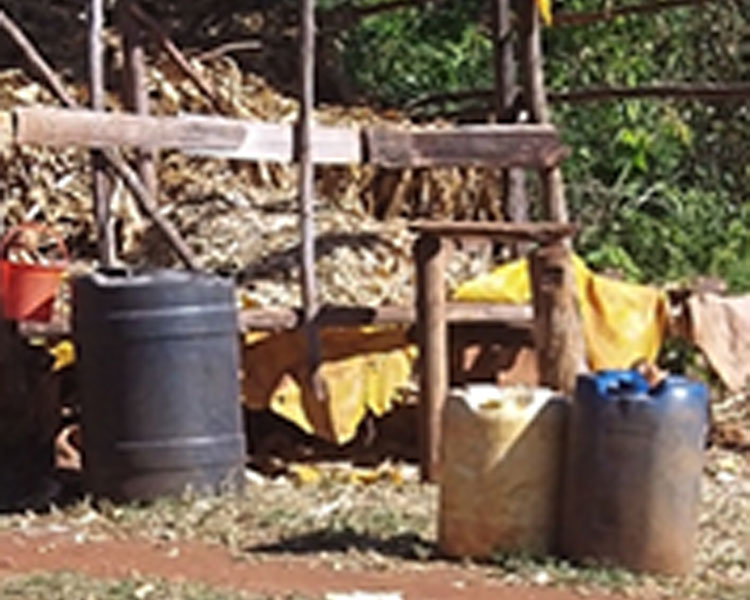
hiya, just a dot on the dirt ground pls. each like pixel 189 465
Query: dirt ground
pixel 198 562
pixel 335 528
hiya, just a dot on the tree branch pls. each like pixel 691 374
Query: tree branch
pixel 704 92
pixel 572 19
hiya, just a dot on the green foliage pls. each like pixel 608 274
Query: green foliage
pixel 666 234
pixel 660 186
pixel 409 52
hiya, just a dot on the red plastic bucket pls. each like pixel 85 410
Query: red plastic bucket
pixel 28 290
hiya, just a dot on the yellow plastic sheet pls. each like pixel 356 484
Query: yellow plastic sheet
pixel 622 321
pixel 363 370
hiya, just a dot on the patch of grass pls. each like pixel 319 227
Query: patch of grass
pixel 73 586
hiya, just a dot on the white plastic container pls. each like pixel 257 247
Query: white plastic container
pixel 501 470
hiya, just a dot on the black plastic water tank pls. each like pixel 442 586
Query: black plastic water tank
pixel 158 370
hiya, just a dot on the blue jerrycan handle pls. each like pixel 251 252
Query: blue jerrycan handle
pixel 621 381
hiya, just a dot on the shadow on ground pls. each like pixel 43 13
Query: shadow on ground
pixel 408 546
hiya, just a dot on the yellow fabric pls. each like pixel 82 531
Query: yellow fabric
pixel 363 370
pixel 622 321
pixel 545 9
pixel 64 354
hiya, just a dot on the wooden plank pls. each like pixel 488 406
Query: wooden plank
pixel 210 136
pixel 558 332
pixel 432 336
pixel 536 146
pixel 518 317
pixel 542 232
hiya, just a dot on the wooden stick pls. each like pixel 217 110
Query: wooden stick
pixel 515 201
pixel 135 84
pixel 541 232
pixel 101 183
pixel 432 336
pixel 553 191
pixel 176 55
pixel 253 45
pixel 148 206
pixel 35 59
pixel 307 194
pixel 114 160
pixel 511 320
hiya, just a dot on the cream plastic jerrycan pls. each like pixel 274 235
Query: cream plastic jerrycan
pixel 501 470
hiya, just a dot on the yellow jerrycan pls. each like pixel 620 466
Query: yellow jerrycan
pixel 501 469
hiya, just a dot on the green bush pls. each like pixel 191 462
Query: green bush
pixel 661 187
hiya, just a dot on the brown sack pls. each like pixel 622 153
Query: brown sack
pixel 720 327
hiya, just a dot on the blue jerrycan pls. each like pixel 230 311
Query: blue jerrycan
pixel 633 467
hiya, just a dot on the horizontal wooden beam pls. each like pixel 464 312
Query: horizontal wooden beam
pixel 541 232
pixel 513 316
pixel 193 134
pixel 533 146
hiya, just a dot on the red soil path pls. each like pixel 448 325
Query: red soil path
pixel 214 566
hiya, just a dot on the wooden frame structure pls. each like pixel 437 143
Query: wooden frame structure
pixel 507 146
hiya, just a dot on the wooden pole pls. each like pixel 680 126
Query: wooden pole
pixel 307 195
pixel 113 158
pixel 504 61
pixel 558 333
pixel 553 190
pixel 514 180
pixel 429 258
pixel 178 58
pixel 101 183
pixel 135 90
